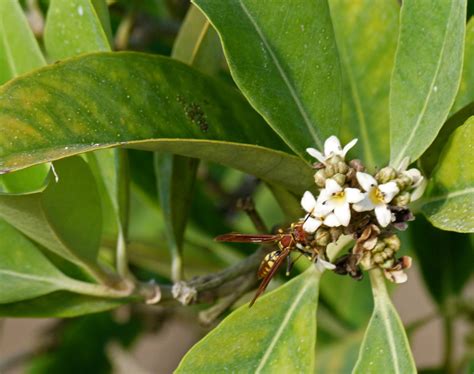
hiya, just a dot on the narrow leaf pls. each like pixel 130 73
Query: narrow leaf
pixel 82 105
pixel 449 198
pixel 366 33
pixel 466 89
pixel 284 59
pixel 339 357
pixel 74 26
pixel 385 348
pixel 278 334
pixel 65 217
pixel 426 75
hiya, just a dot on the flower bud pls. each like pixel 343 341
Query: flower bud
pixel 388 264
pixel 335 232
pixel 322 237
pixel 366 261
pixel 342 167
pixel 386 174
pixel 402 199
pixel 378 258
pixel 334 160
pixel 403 182
pixel 340 179
pixel 320 178
pixel 330 171
pixel 357 165
pixel 392 242
pixel 379 247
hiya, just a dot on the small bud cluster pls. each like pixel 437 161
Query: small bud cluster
pixel 368 207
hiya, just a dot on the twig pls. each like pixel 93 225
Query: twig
pixel 248 206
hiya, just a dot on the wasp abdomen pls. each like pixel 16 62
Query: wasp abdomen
pixel 268 263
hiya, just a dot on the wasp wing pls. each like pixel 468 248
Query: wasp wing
pixel 247 238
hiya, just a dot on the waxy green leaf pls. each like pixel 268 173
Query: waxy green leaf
pixel 82 104
pixel 25 272
pixel 385 348
pixel 366 34
pixel 74 27
pixel 284 59
pixel 426 75
pixel 449 198
pixel 19 51
pixel 445 259
pixel 60 304
pixel 65 217
pixel 466 89
pixel 339 357
pixel 278 334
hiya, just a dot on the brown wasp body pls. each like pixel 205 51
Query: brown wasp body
pixel 294 239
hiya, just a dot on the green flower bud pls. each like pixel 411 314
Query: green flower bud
pixel 330 170
pixel 340 179
pixel 379 247
pixel 402 199
pixel 386 174
pixel 342 167
pixel 322 237
pixel 392 242
pixel 366 261
pixel 388 264
pixel 378 258
pixel 334 160
pixel 403 182
pixel 320 178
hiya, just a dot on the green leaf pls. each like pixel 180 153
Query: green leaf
pixel 25 272
pixel 75 25
pixel 466 89
pixel 449 197
pixel 426 74
pixel 83 105
pixel 445 259
pixel 284 59
pixel 431 157
pixel 60 304
pixel 385 348
pixel 339 357
pixel 277 334
pixel 65 217
pixel 197 43
pixel 19 51
pixel 366 33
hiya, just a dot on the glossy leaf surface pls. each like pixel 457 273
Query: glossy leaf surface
pixel 426 75
pixel 366 33
pixel 277 334
pixel 82 105
pixel 385 348
pixel 449 198
pixel 466 89
pixel 284 59
pixel 65 217
pixel 339 357
pixel 74 27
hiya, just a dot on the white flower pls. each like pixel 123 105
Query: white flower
pixel 337 199
pixel 413 173
pixel 377 197
pixel 317 214
pixel 332 147
pixel 322 265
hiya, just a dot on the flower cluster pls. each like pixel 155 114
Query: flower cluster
pixel 368 207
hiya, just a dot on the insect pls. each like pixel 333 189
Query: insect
pixel 294 239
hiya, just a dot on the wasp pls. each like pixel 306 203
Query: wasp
pixel 294 239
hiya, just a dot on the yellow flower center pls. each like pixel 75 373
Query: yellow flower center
pixel 338 197
pixel 376 196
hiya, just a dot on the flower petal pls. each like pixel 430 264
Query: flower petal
pixel 332 146
pixel 308 202
pixel 398 276
pixel 415 176
pixel 316 154
pixel 332 186
pixel 331 220
pixel 322 210
pixel 343 213
pixel 418 191
pixel 383 214
pixel 353 195
pixel 389 190
pixel 364 205
pixel 322 265
pixel 311 224
pixel 348 146
pixel 366 181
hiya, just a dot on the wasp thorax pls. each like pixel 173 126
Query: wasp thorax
pixel 386 174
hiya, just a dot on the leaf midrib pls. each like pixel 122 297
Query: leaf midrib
pixel 282 327
pixel 283 75
pixel 401 154
pixel 449 195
